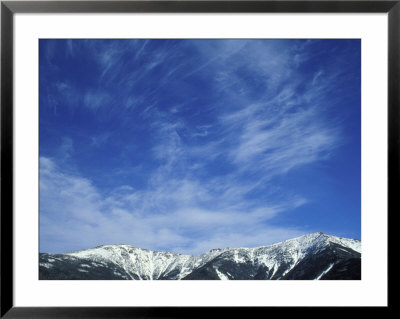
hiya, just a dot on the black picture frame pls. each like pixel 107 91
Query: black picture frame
pixel 9 8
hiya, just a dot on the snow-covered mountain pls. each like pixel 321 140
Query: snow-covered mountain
pixel 312 256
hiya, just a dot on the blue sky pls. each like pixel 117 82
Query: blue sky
pixel 189 145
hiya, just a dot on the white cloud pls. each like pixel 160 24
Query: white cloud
pixel 75 214
pixel 280 143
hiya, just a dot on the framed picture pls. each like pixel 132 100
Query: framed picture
pixel 158 156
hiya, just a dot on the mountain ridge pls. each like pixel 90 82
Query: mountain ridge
pixel 311 256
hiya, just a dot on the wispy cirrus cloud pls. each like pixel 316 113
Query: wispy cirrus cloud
pixel 279 142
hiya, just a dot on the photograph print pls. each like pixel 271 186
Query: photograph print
pixel 199 159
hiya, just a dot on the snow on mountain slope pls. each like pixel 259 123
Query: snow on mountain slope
pixel 278 261
pixel 146 264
